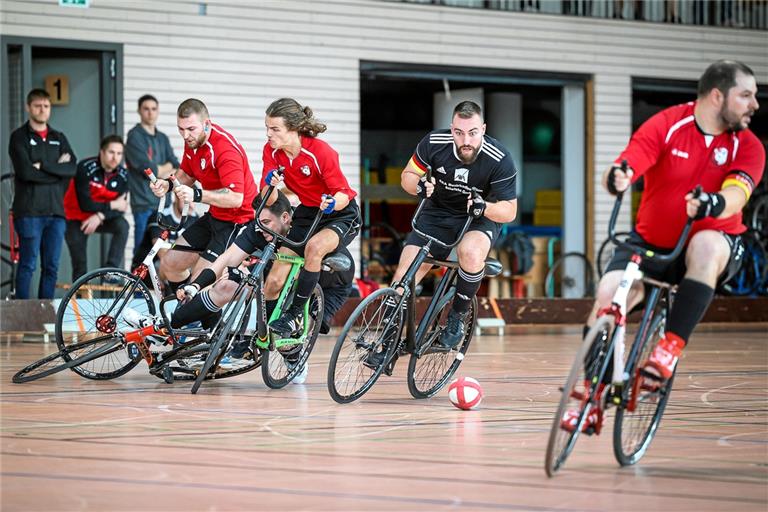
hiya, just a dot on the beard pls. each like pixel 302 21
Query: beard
pixel 731 120
pixel 471 157
pixel 198 142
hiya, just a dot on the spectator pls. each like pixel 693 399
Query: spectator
pixel 96 202
pixel 43 164
pixel 146 147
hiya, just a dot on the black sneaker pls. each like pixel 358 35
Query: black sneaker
pixel 240 349
pixel 287 325
pixel 454 330
pixel 375 359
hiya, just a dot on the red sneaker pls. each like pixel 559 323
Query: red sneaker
pixel 665 356
pixel 593 423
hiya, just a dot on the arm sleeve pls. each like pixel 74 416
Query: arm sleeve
pixel 66 169
pixel 330 170
pixel 420 158
pixel 83 191
pixel 504 180
pixel 645 146
pixel 136 155
pixel 748 166
pixel 22 164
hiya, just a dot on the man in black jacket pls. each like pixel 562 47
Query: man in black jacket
pixel 96 202
pixel 43 164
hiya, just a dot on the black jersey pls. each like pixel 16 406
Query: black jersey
pixel 492 174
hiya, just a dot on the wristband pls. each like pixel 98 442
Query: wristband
pixel 197 195
pixel 206 278
pixel 710 205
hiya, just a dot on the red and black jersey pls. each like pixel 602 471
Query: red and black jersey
pixel 314 172
pixel 675 155
pixel 222 163
pixel 92 189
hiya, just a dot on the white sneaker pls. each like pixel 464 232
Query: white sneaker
pixel 301 378
pixel 135 319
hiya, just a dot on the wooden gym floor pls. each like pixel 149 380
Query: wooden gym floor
pixel 136 443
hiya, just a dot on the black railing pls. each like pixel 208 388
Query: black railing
pixel 750 14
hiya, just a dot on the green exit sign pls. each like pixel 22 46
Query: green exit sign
pixel 74 3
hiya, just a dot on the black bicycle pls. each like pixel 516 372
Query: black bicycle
pixel 378 323
pixel 603 375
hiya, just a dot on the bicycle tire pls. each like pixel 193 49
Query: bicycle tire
pixel 561 442
pixel 276 370
pixel 604 254
pixel 77 317
pixel 570 280
pixel 634 431
pixel 110 343
pixel 429 370
pixel 758 218
pixel 356 347
pixel 221 338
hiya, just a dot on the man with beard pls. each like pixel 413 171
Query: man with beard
pixel 462 160
pixel 707 143
pixel 213 157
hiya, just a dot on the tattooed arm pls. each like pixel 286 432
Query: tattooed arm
pixel 223 198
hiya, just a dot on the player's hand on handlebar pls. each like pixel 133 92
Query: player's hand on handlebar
pixel 184 193
pixel 274 177
pixel 617 180
pixel 159 187
pixel 187 292
pixel 699 204
pixel 327 204
pixel 425 187
pixel 476 206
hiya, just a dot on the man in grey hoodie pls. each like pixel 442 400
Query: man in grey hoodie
pixel 146 147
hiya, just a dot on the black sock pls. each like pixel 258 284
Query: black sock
pixel 691 302
pixel 584 331
pixel 270 305
pixel 200 307
pixel 175 285
pixel 467 285
pixel 306 284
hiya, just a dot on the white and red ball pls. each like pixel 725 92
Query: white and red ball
pixel 465 393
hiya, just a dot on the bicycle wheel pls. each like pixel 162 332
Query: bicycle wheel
pixel 579 393
pixel 638 418
pixel 88 310
pixel 431 366
pixel 573 272
pixel 58 361
pixel 281 366
pixel 752 275
pixel 363 334
pixel 605 253
pixel 758 218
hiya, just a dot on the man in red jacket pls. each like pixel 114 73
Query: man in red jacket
pixel 96 202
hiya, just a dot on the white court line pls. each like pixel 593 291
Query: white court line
pixel 705 396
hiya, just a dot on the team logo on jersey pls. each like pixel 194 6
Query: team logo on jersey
pixel 441 170
pixel 461 174
pixel 202 164
pixel 32 142
pixel 721 155
pixel 305 170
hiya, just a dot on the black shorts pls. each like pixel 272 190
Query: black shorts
pixel 446 227
pixel 674 272
pixel 346 224
pixel 249 238
pixel 210 236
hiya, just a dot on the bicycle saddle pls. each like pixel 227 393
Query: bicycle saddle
pixel 492 267
pixel 337 262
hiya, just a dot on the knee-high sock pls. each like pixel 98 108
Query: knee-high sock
pixel 691 302
pixel 467 285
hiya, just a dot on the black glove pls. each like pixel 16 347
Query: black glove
pixel 421 187
pixel 476 207
pixel 710 205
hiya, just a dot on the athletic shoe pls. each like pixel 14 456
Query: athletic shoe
pixel 454 330
pixel 593 423
pixel 136 319
pixel 664 357
pixel 375 359
pixel 229 362
pixel 288 325
pixel 240 349
pixel 301 378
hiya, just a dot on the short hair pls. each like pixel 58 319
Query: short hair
pixel 467 109
pixel 192 106
pixel 280 206
pixel 296 117
pixel 721 75
pixel 37 94
pixel 110 139
pixel 147 97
